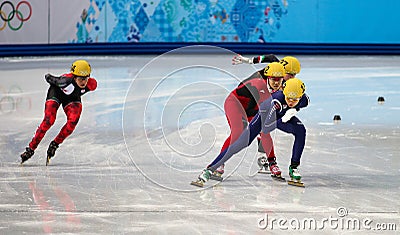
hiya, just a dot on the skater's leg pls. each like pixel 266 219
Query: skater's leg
pixel 295 126
pixel 237 120
pixel 73 112
pixel 267 144
pixel 245 139
pixel 50 113
pixel 270 162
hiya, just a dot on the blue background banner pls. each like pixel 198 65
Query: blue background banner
pixel 292 21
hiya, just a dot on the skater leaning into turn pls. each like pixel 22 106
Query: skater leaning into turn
pixel 242 104
pixel 276 112
pixel 292 67
pixel 65 90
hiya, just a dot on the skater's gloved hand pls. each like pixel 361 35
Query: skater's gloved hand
pixel 92 84
pixel 238 59
pixel 47 76
pixel 289 114
pixel 50 78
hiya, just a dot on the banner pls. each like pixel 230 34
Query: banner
pixel 202 21
pixel 24 22
pixel 69 21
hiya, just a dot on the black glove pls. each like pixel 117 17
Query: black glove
pixel 265 59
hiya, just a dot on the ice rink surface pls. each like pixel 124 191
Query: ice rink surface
pixel 156 121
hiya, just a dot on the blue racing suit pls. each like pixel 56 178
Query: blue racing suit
pixel 266 120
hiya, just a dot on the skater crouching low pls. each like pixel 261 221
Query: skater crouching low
pixel 65 90
pixel 242 104
pixel 277 112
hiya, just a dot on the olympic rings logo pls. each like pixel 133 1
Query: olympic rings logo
pixel 14 100
pixel 15 12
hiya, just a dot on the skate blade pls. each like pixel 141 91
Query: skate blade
pixel 296 183
pixel 23 161
pixel 278 178
pixel 216 177
pixel 47 161
pixel 264 172
pixel 198 183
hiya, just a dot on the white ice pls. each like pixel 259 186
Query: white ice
pixel 155 122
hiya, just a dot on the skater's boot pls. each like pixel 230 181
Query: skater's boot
pixel 205 175
pixel 262 163
pixel 27 154
pixel 51 151
pixel 294 173
pixel 274 168
pixel 220 170
pixel 276 173
pixel 217 174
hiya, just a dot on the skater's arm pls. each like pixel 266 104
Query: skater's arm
pixel 304 101
pixel 265 59
pixel 269 110
pixel 61 81
pixel 238 59
pixel 91 85
pixel 288 115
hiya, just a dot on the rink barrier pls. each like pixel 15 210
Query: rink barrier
pixel 159 48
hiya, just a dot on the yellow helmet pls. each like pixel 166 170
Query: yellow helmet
pixel 291 64
pixel 81 68
pixel 294 88
pixel 274 69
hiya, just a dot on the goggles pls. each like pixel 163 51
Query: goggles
pixel 293 99
pixel 275 79
pixel 82 78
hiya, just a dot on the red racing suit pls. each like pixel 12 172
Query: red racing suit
pixel 242 104
pixel 248 103
pixel 63 91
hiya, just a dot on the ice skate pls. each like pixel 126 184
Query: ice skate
pixel 203 177
pixel 217 175
pixel 51 151
pixel 295 177
pixel 276 173
pixel 263 164
pixel 27 154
